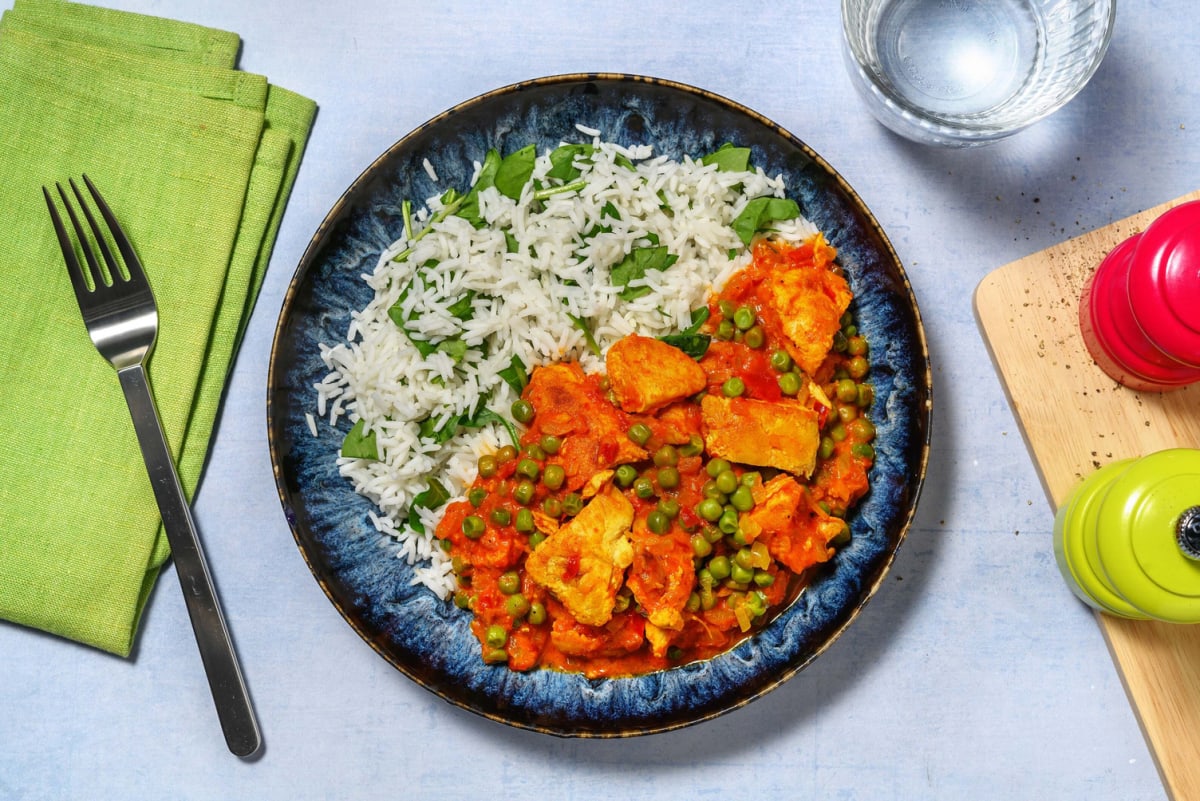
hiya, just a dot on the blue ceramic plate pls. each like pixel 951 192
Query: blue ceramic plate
pixel 428 639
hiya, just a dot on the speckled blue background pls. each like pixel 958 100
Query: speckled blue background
pixel 430 640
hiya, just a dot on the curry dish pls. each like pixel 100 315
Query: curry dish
pixel 663 511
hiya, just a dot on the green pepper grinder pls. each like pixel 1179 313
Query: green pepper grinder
pixel 1127 539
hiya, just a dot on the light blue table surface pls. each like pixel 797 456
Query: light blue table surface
pixel 973 674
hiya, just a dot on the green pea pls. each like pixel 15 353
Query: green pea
pixel 866 395
pixel 727 481
pixel 501 516
pixel 838 432
pixel 496 636
pixel 666 456
pixel 751 479
pixel 847 412
pixel 495 656
pixel 554 476
pixel 626 474
pixel 509 582
pixel 839 342
pixel 715 467
pixel 572 504
pixel 668 477
pixel 856 346
pixel 756 337
pixel 781 361
pixel 756 602
pixel 719 567
pixel 744 557
pixel 742 499
pixel 743 318
pixel 524 521
pixel 846 390
pixel 857 367
pixel 462 599
pixel 473 527
pixel 488 465
pixel 763 578
pixel 728 521
pixel 537 613
pixel 694 446
pixel 669 507
pixel 476 496
pixel 506 454
pixel 712 534
pixel 516 606
pixel 657 522
pixel 640 433
pixel 709 490
pixel 861 429
pixel 550 444
pixel 825 449
pixel 536 539
pixel 693 602
pixel 741 575
pixel 523 492
pixel 710 509
pixel 522 411
pixel 529 469
pixel 726 308
pixel 863 450
pixel 643 488
pixel 700 546
pixel 553 507
pixel 725 330
pixel 733 387
pixel 850 329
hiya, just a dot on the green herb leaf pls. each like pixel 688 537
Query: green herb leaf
pixel 634 267
pixel 469 210
pixel 516 375
pixel 360 445
pixel 563 160
pixel 761 212
pixel 485 416
pixel 729 158
pixel 456 349
pixel 694 345
pixel 514 172
pixel 431 498
pixel 461 308
pixel 588 337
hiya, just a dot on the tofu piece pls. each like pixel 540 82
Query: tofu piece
pixel 810 302
pixel 784 435
pixel 583 563
pixel 647 374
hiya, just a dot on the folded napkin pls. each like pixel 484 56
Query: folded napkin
pixel 197 160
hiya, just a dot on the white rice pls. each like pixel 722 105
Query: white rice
pixel 521 308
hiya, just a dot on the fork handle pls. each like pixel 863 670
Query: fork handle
pixel 208 623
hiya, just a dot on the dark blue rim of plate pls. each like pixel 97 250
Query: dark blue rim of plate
pixel 359 569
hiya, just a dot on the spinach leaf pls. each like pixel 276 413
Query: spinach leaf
pixel 729 158
pixel 514 171
pixel 588 336
pixel 433 497
pixel 358 445
pixel 485 416
pixel 469 210
pixel 563 160
pixel 461 308
pixel 694 345
pixel 516 375
pixel 761 212
pixel 636 264
pixel 455 348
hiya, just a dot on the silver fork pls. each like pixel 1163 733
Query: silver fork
pixel 122 319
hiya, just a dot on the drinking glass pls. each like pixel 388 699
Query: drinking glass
pixel 969 72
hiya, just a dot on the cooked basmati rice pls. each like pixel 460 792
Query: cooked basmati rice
pixel 523 304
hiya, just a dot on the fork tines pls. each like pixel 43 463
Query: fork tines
pixel 96 274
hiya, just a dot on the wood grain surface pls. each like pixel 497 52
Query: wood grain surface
pixel 1075 419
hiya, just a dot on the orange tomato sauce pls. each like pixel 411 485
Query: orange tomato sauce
pixel 695 585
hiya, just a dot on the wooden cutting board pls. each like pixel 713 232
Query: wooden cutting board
pixel 1075 419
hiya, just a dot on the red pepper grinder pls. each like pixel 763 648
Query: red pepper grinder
pixel 1140 310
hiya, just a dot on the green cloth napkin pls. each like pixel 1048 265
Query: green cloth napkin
pixel 197 160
